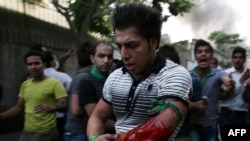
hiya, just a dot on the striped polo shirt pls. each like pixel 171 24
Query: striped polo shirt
pixel 131 99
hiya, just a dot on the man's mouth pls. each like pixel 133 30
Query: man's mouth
pixel 203 61
pixel 130 67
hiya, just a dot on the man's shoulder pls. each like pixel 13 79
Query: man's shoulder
pixel 229 70
pixel 62 77
pixel 173 68
pixel 80 75
pixel 65 75
pixel 87 78
pixel 116 72
pixel 52 79
pixel 28 81
pixel 53 73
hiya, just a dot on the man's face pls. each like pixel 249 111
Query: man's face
pixel 136 52
pixel 203 56
pixel 238 60
pixel 103 58
pixel 35 66
pixel 214 63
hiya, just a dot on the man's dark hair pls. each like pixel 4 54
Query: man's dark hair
pixel 146 20
pixel 37 47
pixel 48 57
pixel 168 51
pixel 83 53
pixel 241 50
pixel 34 53
pixel 93 49
pixel 199 43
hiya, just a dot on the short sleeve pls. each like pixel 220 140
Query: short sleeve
pixel 59 90
pixel 75 84
pixel 175 83
pixel 21 94
pixel 107 94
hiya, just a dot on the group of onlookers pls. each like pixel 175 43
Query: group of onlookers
pixel 220 97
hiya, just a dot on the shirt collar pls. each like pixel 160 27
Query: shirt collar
pixel 157 66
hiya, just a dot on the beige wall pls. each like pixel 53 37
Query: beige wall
pixel 44 11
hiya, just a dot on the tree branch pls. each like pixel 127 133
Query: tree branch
pixel 65 12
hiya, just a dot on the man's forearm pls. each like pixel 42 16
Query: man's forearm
pixel 95 127
pixel 159 127
pixel 60 106
pixel 11 112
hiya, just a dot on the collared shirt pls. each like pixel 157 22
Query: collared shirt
pixel 210 89
pixel 130 99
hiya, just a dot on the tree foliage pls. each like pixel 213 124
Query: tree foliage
pixel 223 40
pixel 176 7
pixel 93 16
pixel 99 21
pixel 225 43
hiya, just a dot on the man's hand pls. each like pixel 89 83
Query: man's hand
pixel 230 85
pixel 197 108
pixel 71 52
pixel 44 108
pixel 245 76
pixel 246 93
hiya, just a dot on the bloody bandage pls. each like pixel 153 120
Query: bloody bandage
pixel 154 128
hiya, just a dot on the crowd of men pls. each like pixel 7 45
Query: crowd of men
pixel 147 95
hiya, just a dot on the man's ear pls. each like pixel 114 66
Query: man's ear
pixel 154 43
pixel 92 58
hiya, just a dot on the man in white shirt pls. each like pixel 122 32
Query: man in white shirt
pixel 65 79
pixel 233 107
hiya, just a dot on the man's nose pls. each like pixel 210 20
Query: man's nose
pixel 124 53
pixel 106 59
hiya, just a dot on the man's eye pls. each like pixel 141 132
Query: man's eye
pixel 101 55
pixel 132 46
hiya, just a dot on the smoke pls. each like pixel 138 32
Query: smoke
pixel 208 16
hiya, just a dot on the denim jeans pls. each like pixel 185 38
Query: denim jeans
pixel 68 136
pixel 199 133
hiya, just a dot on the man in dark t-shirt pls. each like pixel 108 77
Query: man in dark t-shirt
pixel 91 86
pixel 74 129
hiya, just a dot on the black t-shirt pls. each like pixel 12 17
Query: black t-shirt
pixel 90 90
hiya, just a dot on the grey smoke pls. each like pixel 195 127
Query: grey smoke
pixel 208 16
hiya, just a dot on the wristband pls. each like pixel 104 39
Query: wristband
pixel 92 138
